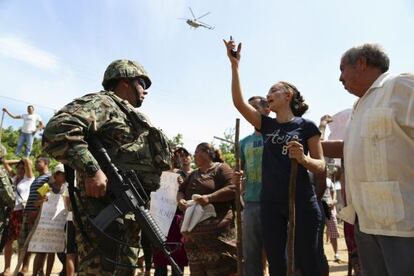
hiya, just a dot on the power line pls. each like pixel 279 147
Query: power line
pixel 29 103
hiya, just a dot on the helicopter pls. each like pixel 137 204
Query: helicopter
pixel 195 23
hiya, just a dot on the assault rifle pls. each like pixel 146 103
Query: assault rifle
pixel 128 200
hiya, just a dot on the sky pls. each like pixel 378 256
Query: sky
pixel 54 51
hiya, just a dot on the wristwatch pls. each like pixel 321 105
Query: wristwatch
pixel 91 168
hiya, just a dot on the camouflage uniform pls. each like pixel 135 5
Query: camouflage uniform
pixel 65 138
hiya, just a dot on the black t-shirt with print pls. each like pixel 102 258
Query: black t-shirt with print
pixel 276 162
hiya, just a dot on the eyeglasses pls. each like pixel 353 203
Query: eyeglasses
pixel 142 83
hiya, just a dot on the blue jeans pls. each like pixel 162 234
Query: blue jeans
pixel 385 255
pixel 252 239
pixel 25 138
pixel 275 217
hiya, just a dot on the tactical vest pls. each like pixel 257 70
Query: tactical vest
pixel 152 147
pixel 7 195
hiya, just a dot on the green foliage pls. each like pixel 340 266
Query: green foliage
pixel 229 159
pixel 176 141
pixel 9 140
pixel 229 136
pixel 227 148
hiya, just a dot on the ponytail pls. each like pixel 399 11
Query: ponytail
pixel 297 104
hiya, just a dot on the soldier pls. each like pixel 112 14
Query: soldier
pixel 111 116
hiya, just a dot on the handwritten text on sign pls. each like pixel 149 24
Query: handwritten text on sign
pixel 50 235
pixel 164 201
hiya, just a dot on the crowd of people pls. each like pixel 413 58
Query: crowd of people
pixel 374 176
pixel 23 218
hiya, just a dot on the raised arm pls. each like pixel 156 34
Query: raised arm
pixel 325 120
pixel 245 109
pixel 41 125
pixel 28 171
pixel 7 166
pixel 11 115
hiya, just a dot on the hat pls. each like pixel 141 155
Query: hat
pixel 59 168
pixel 181 150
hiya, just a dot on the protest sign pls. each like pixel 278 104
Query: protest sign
pixel 164 201
pixel 49 235
pixel 339 124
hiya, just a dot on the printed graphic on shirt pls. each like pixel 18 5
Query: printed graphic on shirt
pixel 251 156
pixel 281 137
pixel 254 168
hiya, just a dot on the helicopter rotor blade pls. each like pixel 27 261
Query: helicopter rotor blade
pixel 205 25
pixel 192 12
pixel 207 13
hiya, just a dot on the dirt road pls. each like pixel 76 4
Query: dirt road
pixel 336 269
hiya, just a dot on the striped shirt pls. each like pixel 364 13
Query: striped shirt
pixel 33 194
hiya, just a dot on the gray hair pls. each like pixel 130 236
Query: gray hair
pixel 374 54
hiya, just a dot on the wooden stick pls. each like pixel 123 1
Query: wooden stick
pixel 3 150
pixel 238 203
pixel 1 126
pixel 292 218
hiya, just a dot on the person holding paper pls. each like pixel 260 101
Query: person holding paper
pixel 181 164
pixel 57 185
pixel 209 246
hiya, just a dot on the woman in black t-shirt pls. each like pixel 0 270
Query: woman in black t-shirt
pixel 288 136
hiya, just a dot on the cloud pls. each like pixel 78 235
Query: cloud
pixel 17 48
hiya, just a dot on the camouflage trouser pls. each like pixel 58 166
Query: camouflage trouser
pixel 125 230
pixel 92 263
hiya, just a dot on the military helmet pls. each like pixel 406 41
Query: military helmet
pixel 125 69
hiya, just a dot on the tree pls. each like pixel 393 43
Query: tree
pixel 9 140
pixel 226 146
pixel 176 141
